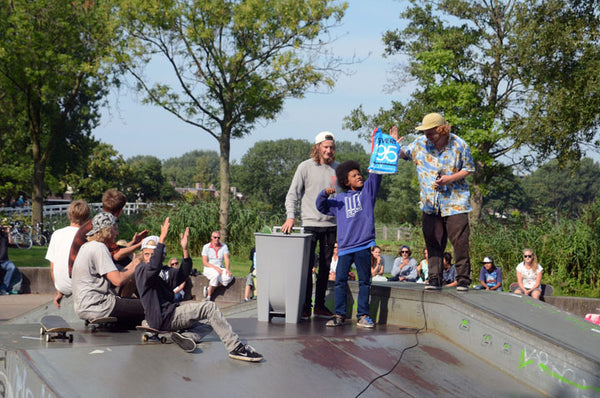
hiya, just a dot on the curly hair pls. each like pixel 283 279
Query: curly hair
pixel 444 129
pixel 341 172
pixel 103 235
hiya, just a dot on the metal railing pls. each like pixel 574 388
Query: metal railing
pixel 51 210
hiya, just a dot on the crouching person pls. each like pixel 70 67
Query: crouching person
pixel 95 277
pixel 164 313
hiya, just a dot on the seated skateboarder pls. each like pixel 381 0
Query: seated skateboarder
pixel 164 313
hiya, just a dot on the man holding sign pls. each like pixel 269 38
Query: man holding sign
pixel 443 162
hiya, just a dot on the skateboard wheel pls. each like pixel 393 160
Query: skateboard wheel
pixel 163 340
pixel 70 338
pixel 93 328
pixel 48 338
pixel 42 331
pixel 144 338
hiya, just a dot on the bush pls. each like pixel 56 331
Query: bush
pixel 202 217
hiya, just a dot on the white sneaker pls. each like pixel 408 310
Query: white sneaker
pixel 205 291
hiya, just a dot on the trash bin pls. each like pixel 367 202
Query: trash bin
pixel 282 266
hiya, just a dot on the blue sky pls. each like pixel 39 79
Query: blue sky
pixel 135 129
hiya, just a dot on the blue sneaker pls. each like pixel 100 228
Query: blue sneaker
pixel 365 322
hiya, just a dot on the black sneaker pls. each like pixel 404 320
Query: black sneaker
pixel 434 284
pixel 187 344
pixel 245 353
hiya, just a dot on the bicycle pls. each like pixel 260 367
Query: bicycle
pixel 20 234
pixel 40 235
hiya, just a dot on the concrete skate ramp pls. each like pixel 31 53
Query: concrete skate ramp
pixel 444 344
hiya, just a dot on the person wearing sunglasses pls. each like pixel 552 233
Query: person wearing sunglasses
pixel 215 254
pixel 529 275
pixel 405 267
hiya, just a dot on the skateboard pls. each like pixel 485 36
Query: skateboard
pixel 104 322
pixel 151 333
pixel 54 326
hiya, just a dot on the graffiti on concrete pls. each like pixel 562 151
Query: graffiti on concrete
pixel 20 385
pixel 564 374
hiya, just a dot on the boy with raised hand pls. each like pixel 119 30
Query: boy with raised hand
pixel 354 211
pixel 163 313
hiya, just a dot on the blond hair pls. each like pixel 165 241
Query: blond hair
pixel 316 155
pixel 101 236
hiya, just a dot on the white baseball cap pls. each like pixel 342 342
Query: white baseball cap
pixel 324 136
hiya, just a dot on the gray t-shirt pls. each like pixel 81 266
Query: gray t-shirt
pixel 93 294
pixel 310 179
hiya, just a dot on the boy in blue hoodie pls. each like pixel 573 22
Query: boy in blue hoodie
pixel 354 210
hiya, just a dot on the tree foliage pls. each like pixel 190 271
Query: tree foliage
pixel 193 167
pixel 510 76
pixel 266 170
pixel 560 190
pixel 105 169
pixel 53 76
pixel 233 62
pixel 146 181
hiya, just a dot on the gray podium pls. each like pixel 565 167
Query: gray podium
pixel 281 271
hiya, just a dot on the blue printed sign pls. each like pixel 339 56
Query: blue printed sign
pixel 384 153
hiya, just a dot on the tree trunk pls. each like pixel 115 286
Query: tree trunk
pixel 37 183
pixel 225 144
pixel 476 204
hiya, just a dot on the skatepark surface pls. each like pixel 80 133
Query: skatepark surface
pixel 426 344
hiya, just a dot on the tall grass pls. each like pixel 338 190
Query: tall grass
pixel 203 218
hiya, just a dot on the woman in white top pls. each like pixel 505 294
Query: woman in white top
pixel 529 275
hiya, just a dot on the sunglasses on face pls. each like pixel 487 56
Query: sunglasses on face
pixel 527 255
pixel 216 237
pixel 404 251
pixel 175 263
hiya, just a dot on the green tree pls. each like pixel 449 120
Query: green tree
pixel 105 169
pixel 563 189
pixel 510 76
pixel 266 171
pixel 234 62
pixel 53 66
pixel 146 182
pixel 195 166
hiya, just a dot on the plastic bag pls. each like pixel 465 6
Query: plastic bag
pixel 384 153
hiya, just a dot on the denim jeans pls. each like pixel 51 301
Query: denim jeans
pixel 189 314
pixel 9 269
pixel 362 261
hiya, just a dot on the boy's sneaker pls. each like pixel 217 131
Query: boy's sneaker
pixel 322 312
pixel 3 293
pixel 336 320
pixel 434 284
pixel 365 321
pixel 186 343
pixel 305 315
pixel 245 353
